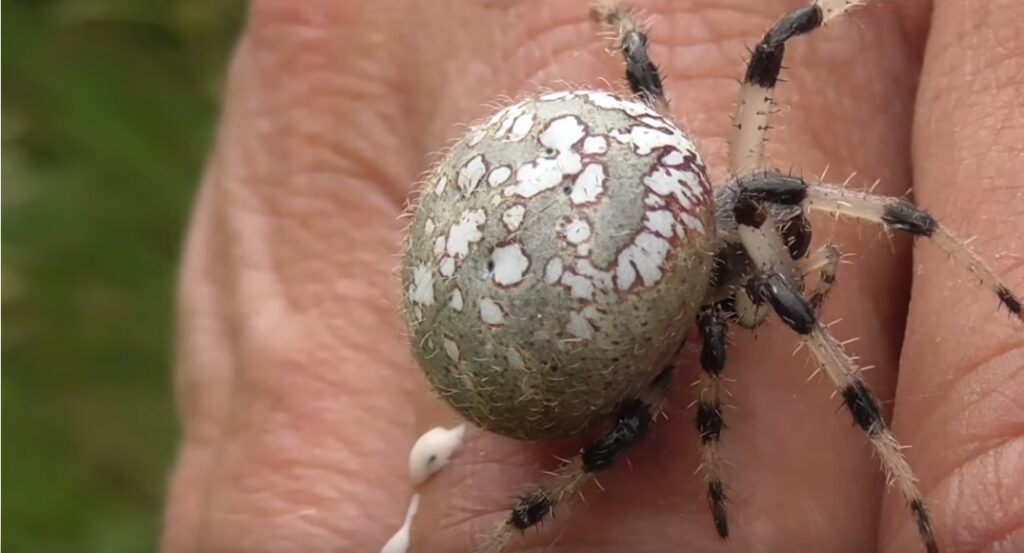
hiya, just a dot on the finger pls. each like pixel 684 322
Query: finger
pixel 293 376
pixel 800 476
pixel 962 383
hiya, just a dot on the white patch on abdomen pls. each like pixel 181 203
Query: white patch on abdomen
pixel 491 313
pixel 553 270
pixel 422 285
pixel 521 127
pixel 465 232
pixel 456 301
pixel 513 217
pixel 545 173
pixel 579 327
pixel 589 184
pixel 499 175
pixel 510 264
pixel 643 258
pixel 471 173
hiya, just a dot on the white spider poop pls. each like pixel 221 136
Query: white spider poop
pixel 429 454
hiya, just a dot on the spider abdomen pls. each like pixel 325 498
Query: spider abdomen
pixel 557 257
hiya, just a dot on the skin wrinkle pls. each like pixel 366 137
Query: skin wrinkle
pixel 244 416
pixel 967 88
pixel 977 442
pixel 993 500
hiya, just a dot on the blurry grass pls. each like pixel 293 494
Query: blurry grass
pixel 108 109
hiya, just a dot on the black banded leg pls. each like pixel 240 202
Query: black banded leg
pixel 859 400
pixel 713 329
pixel 641 73
pixel 755 103
pixel 901 215
pixel 632 422
pixel 759 235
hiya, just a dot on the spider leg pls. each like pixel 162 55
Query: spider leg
pixel 859 400
pixel 772 287
pixel 641 73
pixel 901 215
pixel 826 262
pixel 755 102
pixel 632 422
pixel 713 331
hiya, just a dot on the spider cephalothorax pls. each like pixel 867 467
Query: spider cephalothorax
pixel 562 249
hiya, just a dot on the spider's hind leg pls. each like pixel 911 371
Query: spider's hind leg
pixel 711 323
pixel 632 422
pixel 641 73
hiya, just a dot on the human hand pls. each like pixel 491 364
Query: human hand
pixel 300 399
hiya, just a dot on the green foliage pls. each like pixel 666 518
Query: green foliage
pixel 108 110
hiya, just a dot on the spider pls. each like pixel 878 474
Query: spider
pixel 561 251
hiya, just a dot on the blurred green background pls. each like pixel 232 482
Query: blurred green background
pixel 108 109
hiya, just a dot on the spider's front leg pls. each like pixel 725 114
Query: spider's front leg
pixel 901 215
pixel 632 422
pixel 756 97
pixel 770 285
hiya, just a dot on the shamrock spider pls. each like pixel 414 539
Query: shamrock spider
pixel 560 252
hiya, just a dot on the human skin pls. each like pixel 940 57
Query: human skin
pixel 299 397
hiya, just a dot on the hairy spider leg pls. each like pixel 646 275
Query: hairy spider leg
pixel 774 288
pixel 711 322
pixel 641 73
pixel 632 422
pixel 755 103
pixel 826 262
pixel 901 215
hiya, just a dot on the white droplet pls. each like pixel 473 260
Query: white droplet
pixel 399 542
pixel 432 451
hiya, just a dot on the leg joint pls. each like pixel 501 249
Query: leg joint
pixel 864 407
pixel 766 63
pixel 530 510
pixel 712 327
pixel 709 422
pixel 633 422
pixel 789 306
pixel 716 501
pixel 905 216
